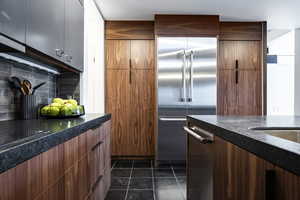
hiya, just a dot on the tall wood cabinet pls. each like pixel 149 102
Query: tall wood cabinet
pixel 130 89
pixel 240 67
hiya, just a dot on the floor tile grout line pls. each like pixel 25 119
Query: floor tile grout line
pixel 129 180
pixel 177 182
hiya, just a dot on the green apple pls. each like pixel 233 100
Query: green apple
pixel 58 100
pixel 44 110
pixel 66 110
pixel 56 105
pixel 53 111
pixel 72 101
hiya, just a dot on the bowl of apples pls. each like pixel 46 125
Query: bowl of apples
pixel 62 108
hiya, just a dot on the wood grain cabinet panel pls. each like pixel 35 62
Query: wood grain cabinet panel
pixel 142 112
pixel 249 95
pixel 227 54
pixel 118 54
pixel 118 104
pixel 61 173
pixel 187 25
pixel 241 31
pixel 248 55
pixel 132 30
pixel 142 54
pixel 238 173
pixel 286 185
pixel 227 95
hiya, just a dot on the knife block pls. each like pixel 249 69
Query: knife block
pixel 28 107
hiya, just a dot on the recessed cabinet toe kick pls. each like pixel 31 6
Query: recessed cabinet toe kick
pixel 200 163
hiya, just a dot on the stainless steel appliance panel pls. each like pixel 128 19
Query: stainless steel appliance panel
pixel 202 62
pixel 170 66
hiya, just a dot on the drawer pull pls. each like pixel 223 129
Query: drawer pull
pixel 96 145
pixel 96 183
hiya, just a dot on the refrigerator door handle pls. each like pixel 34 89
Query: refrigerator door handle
pixel 183 95
pixel 190 99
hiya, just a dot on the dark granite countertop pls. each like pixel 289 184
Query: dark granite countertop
pixel 235 129
pixel 21 140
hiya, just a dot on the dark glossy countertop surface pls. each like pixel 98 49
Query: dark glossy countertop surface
pixel 21 140
pixel 236 129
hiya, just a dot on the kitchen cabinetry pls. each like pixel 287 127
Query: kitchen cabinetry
pixel 130 96
pixel 239 174
pixel 45 27
pixel 63 172
pixel 239 78
pixel 74 34
pixel 56 29
pixel 13 19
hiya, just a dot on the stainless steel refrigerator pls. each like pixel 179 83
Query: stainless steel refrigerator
pixel 186 80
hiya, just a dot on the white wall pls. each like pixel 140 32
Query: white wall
pixel 297 72
pixel 92 80
pixel 280 76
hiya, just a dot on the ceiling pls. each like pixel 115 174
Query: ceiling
pixel 280 14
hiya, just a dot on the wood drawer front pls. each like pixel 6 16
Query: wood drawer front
pixel 61 173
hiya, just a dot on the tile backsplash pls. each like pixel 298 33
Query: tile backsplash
pixel 10 98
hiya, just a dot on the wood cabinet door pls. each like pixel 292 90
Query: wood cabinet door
pixel 227 93
pixel 238 174
pixel 118 54
pixel 142 54
pixel 286 185
pixel 248 55
pixel 142 113
pixel 241 54
pixel 118 104
pixel 249 97
pixel 227 54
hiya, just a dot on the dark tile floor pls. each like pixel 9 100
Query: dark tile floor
pixel 141 180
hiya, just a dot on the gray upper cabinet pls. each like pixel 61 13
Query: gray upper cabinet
pixel 13 19
pixel 74 34
pixel 45 27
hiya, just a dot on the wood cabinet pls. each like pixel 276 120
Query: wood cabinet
pixel 63 172
pixel 239 78
pixel 117 54
pixel 13 19
pixel 130 96
pixel 239 174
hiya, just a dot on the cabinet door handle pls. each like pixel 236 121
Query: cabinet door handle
pixel 270 181
pixel 198 137
pixel 96 145
pixel 236 71
pixel 59 52
pixel 130 78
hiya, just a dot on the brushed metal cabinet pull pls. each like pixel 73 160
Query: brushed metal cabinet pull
pixel 198 137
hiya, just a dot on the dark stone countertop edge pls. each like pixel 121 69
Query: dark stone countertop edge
pixel 285 159
pixel 14 156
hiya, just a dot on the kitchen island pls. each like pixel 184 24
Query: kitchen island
pixel 251 157
pixel 55 158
